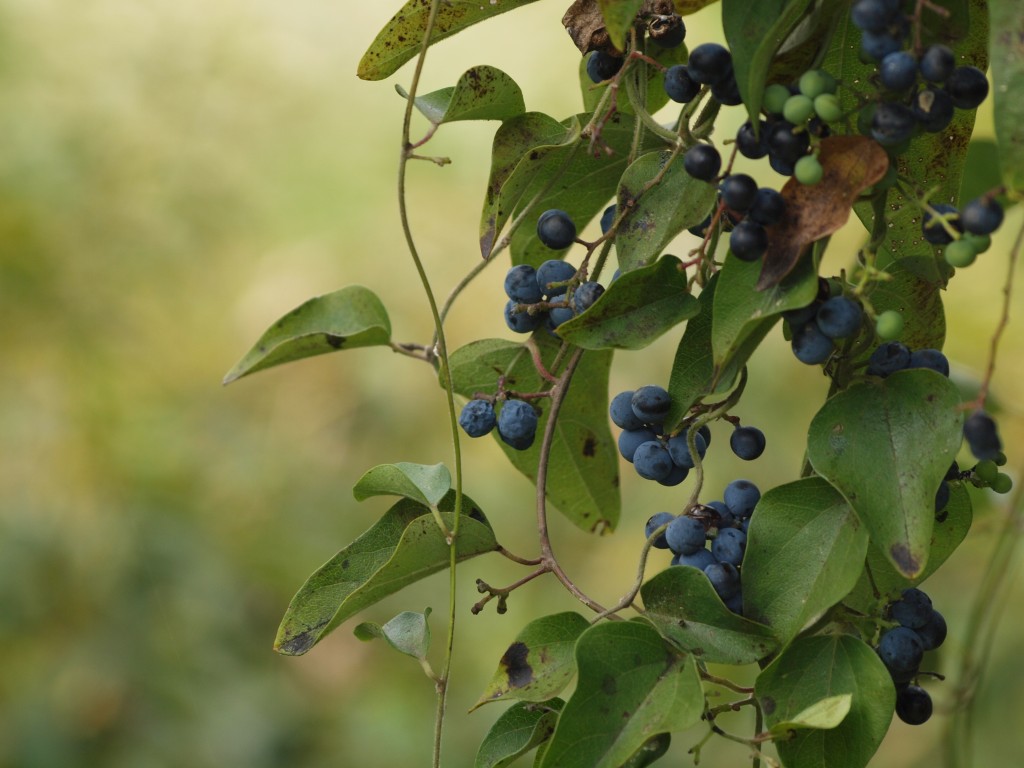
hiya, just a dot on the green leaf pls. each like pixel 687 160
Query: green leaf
pixel 651 750
pixel 635 310
pixel 950 529
pixel 619 16
pixel 741 312
pixel 755 31
pixel 982 171
pixel 683 606
pixel 346 319
pixel 1007 45
pixel 522 727
pixel 527 141
pixel 693 367
pixel 424 484
pixel 814 670
pixel 402 37
pixel 827 713
pixel 482 93
pixel 805 552
pixel 367 631
pixel 540 663
pixel 583 470
pixel 886 445
pixel 916 296
pixel 409 633
pixel 405 545
pixel 659 213
pixel 631 687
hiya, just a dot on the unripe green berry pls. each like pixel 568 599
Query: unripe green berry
pixel 827 107
pixel 808 170
pixel 1000 459
pixel 981 243
pixel 889 325
pixel 960 253
pixel 986 471
pixel 815 82
pixel 1002 483
pixel 798 109
pixel 775 98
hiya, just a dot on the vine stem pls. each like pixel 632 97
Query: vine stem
pixel 442 357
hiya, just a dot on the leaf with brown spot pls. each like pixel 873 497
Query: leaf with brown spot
pixel 851 164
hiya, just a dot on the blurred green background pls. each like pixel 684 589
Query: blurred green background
pixel 174 177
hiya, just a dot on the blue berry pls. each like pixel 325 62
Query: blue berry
pixel 551 272
pixel 651 460
pixel 679 449
pixel 781 165
pixel 741 496
pixel 631 439
pixel 768 207
pixel 559 315
pixel 724 578
pixel 981 216
pixel 933 108
pixel 913 705
pixel 702 162
pixel 709 63
pixel 900 650
pixel 942 496
pixel 933 633
pixel 667 31
pixel 932 359
pixel 556 230
pixel 982 436
pixel 913 609
pixel 937 63
pixel 877 46
pixel 477 418
pixel 890 357
pixel 603 66
pixel 810 345
pixel 785 142
pixel 517 424
pixel 729 546
pixel 747 442
pixel 585 296
pixel 685 535
pixel 675 477
pixel 748 240
pixel 522 322
pixel 839 317
pixel 679 86
pixel 892 124
pixel 749 144
pixel 738 191
pixel 621 411
pixel 651 404
pixel 898 71
pixel 654 523
pixel 870 15
pixel 700 559
pixel 608 218
pixel 968 86
pixel 521 284
pixel 735 603
pixel 933 230
pixel 721 514
pixel 727 91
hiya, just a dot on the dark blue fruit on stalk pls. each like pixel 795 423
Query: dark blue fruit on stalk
pixel 608 218
pixel 735 603
pixel 685 535
pixel 477 418
pixel 517 424
pixel 942 496
pixel 603 66
pixel 621 411
pixel 933 230
pixel 982 436
pixel 654 523
pixel 522 322
pixel 892 124
pixel 870 15
pixel 785 142
pixel 932 359
pixel 937 63
pixel 878 46
pixel 968 86
pixel 667 31
pixel 933 633
pixel 705 432
pixel 913 705
pixel 631 439
pixel 724 578
pixel 890 357
pixel 748 241
pixel 521 285
pixel 556 229
pixel 782 166
pixel 675 477
pixel 747 442
pixel 559 315
pixel 798 317
pixel 721 515
pixel 651 404
pixel 913 609
pixel 729 546
pixel 679 449
pixel 768 207
pixel 810 345
pixel 738 191
pixel 700 559
pixel 933 108
pixel 679 86
pixel 839 317
pixel 900 650
pixel 727 91
pixel 651 460
pixel 554 271
pixel 709 63
pixel 702 162
pixel 981 216
pixel 898 71
pixel 584 296
pixel 741 496
pixel 749 144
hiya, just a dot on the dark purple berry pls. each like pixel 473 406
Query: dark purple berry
pixel 741 496
pixel 968 86
pixel 747 442
pixel 810 345
pixel 685 535
pixel 937 63
pixel 679 86
pixel 768 207
pixel 522 321
pixel 621 411
pixel 839 317
pixel 556 229
pixel 892 124
pixel 981 216
pixel 932 359
pixel 651 404
pixel 552 272
pixel 913 609
pixel 750 145
pixel 477 418
pixel 933 230
pixel 913 705
pixel 702 162
pixel 738 191
pixel 748 240
pixel 710 63
pixel 933 108
pixel 898 71
pixel 654 523
pixel 517 424
pixel 603 66
pixel 890 357
pixel 521 285
pixel 982 436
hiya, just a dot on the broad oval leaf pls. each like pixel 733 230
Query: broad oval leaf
pixel 632 686
pixel 521 727
pixel 402 37
pixel 426 484
pixel 409 633
pixel 827 713
pixel 583 475
pixel 637 308
pixel 346 319
pixel 405 545
pixel 540 663
pixel 813 670
pixel 805 552
pixel 681 603
pixel 658 212
pixel 916 297
pixel 693 367
pixel 1007 45
pixel 481 93
pixel 867 442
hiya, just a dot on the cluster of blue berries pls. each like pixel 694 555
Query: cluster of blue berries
pixel 664 30
pixel 665 458
pixel 921 628
pixel 687 536
pixel 516 421
pixel 816 328
pixel 964 233
pixel 709 64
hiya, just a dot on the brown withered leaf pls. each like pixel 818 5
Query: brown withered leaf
pixel 585 24
pixel 851 164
